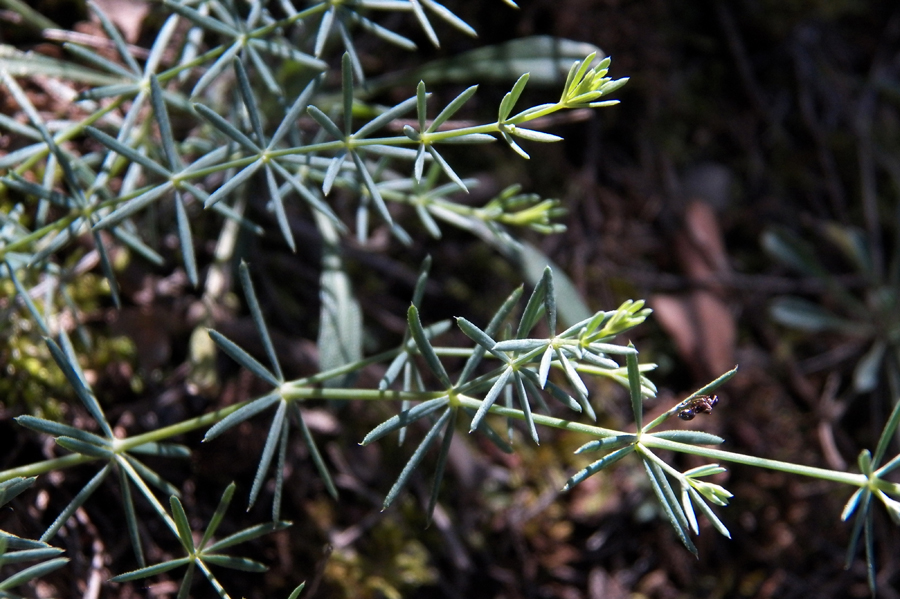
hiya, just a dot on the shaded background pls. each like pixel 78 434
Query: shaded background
pixel 739 116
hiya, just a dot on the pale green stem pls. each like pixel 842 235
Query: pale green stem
pixel 857 480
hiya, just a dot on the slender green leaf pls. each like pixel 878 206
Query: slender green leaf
pixel 296 592
pixel 452 108
pixel 35 571
pixel 128 152
pixel 491 435
pixel 248 411
pixel 181 522
pixel 10 489
pixel 88 449
pixel 868 527
pixel 606 443
pixel 634 388
pixel 510 99
pixel 425 348
pixel 478 336
pixel 692 437
pixel 594 468
pixel 279 471
pixel 535 306
pixel 240 356
pixel 166 450
pixel 24 296
pixel 152 476
pixel 218 515
pixel 133 205
pixel 151 570
pixel 57 429
pixel 443 454
pixel 710 515
pixel 326 123
pixel 131 519
pixel 233 183
pixel 671 506
pixel 448 170
pixel 272 440
pixel 77 382
pixel 185 588
pixel 76 503
pixel 28 555
pixel 444 13
pixel 404 418
pixel 491 331
pixel 247 534
pixel 256 313
pixel 107 269
pixel 526 407
pixel 490 398
pixel 314 452
pixel 416 458
pixel 227 128
pixel 234 563
pixel 386 117
pixel 369 183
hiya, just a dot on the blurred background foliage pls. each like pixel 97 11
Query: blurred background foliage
pixel 752 134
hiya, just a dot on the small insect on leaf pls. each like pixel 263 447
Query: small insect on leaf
pixel 702 404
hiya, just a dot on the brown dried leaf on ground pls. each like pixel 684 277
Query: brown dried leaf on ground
pixel 700 322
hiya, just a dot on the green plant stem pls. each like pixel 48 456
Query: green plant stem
pixel 45 466
pixel 857 480
pixel 568 425
pixel 69 134
pixel 292 391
